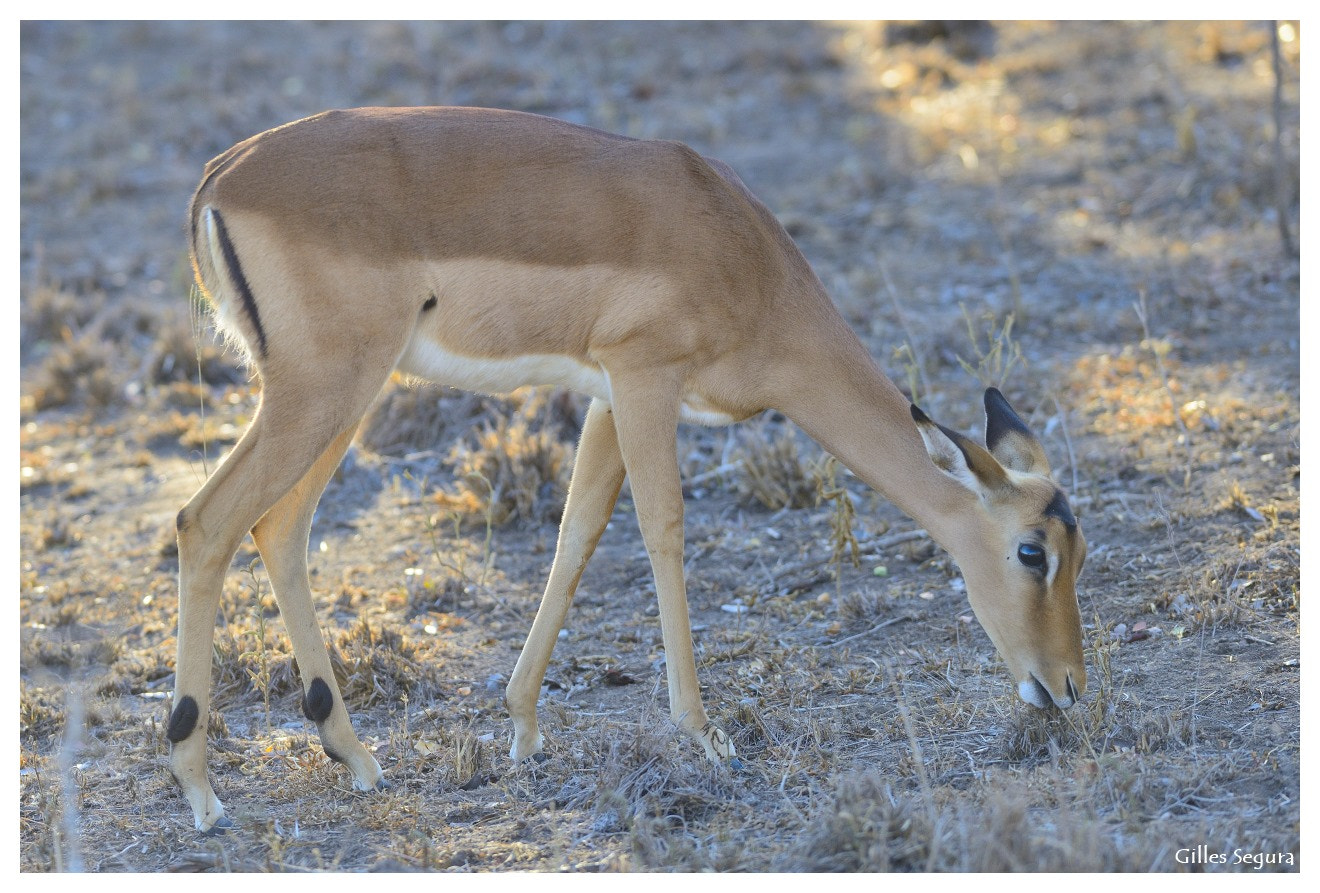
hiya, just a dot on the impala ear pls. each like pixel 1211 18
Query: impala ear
pixel 964 460
pixel 1009 438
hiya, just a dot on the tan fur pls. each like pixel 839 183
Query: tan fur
pixel 491 249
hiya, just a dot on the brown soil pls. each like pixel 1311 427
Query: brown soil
pixel 1115 187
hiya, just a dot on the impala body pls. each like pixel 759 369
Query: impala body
pixel 488 250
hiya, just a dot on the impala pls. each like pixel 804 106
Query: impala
pixel 488 250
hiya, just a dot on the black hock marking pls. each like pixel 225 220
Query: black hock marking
pixel 1059 508
pixel 183 720
pixel 318 701
pixel 1000 419
pixel 430 304
pixel 240 281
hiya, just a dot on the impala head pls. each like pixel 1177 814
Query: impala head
pixel 1019 549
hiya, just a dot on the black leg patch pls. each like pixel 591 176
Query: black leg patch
pixel 183 720
pixel 430 303
pixel 318 701
pixel 332 755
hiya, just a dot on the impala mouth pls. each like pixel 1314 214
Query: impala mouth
pixel 1034 692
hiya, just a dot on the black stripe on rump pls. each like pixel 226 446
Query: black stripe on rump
pixel 240 281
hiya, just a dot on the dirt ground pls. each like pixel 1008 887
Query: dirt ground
pixel 1090 216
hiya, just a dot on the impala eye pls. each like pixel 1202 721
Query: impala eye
pixel 1032 555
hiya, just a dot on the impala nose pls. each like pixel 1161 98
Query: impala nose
pixel 1034 692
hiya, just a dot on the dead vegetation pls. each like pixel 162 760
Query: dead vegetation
pixel 516 466
pixel 1031 205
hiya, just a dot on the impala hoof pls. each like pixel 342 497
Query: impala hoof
pixel 736 764
pixel 719 749
pixel 382 785
pixel 221 826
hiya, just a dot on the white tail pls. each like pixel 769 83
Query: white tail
pixel 489 250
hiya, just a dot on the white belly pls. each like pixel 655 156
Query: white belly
pixel 424 358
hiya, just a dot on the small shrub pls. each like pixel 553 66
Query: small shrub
pixel 514 468
pixel 413 418
pixel 867 827
pixel 50 314
pixel 75 369
pixel 183 350
pixel 774 472
pixel 376 665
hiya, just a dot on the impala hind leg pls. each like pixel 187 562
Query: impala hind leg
pixel 282 537
pixel 597 478
pixel 646 419
pixel 293 429
pixel 204 557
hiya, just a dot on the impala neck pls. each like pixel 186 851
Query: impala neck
pixel 848 406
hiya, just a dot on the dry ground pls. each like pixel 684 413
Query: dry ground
pixel 1116 188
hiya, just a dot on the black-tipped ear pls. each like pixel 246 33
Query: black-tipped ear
pixel 957 456
pixel 1009 439
pixel 1000 419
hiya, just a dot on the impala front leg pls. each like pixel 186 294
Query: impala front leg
pixel 597 477
pixel 646 419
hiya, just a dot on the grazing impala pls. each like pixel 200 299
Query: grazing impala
pixel 487 250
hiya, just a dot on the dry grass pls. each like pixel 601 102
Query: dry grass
pixel 416 418
pixel 773 472
pixel 514 467
pixel 75 370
